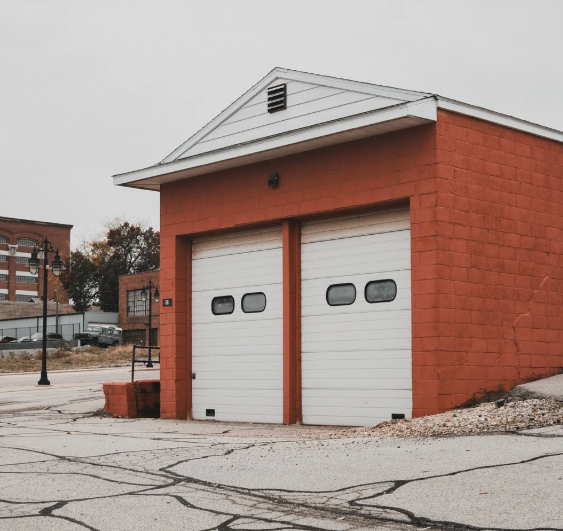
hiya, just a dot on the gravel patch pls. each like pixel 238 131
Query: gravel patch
pixel 491 417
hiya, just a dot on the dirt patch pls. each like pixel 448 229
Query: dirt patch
pixel 486 418
pixel 69 359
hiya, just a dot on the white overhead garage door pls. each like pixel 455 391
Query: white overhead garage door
pixel 237 327
pixel 356 319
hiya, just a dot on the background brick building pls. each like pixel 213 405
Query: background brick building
pixel 133 312
pixel 17 239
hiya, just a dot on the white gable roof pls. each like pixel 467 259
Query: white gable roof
pixel 321 111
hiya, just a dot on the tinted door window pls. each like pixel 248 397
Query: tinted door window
pixel 381 291
pixel 253 302
pixel 223 305
pixel 341 294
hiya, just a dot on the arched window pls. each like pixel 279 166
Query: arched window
pixel 3 239
pixel 28 242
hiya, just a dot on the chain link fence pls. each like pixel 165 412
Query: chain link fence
pixel 66 330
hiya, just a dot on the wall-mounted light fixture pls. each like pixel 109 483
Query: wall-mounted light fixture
pixel 273 180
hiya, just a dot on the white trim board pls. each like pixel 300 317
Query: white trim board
pixel 401 109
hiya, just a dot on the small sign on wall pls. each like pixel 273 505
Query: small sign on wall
pixel 167 302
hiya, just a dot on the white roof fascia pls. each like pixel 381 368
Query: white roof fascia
pixel 405 114
pixel 293 75
pixel 499 118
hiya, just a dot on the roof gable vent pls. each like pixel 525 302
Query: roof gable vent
pixel 277 98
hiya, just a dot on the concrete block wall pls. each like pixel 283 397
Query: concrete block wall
pixel 486 219
pixel 397 167
pixel 493 311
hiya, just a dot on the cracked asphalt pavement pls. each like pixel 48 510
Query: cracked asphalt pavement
pixel 63 468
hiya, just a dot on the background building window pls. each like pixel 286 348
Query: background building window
pixel 28 242
pixel 26 280
pixel 3 296
pixel 3 277
pixel 154 337
pixel 24 298
pixel 3 257
pixel 3 239
pixel 22 260
pixel 135 306
pixel 134 337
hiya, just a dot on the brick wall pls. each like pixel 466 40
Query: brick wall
pixel 13 229
pixel 140 322
pixel 494 310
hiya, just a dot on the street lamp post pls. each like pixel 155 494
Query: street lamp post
pixel 146 293
pixel 56 268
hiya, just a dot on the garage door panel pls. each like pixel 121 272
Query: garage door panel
pixel 318 324
pixel 207 368
pixel 236 350
pixel 203 318
pixel 374 364
pixel 356 226
pixel 266 326
pixel 355 336
pixel 237 265
pixel 382 269
pixel 356 358
pixel 233 244
pixel 359 356
pixel 242 417
pixel 396 372
pixel 337 384
pixel 367 248
pixel 238 357
pixel 249 383
pixel 320 284
pixel 222 394
pixel 319 396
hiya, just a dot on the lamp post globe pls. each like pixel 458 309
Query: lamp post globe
pixel 34 263
pixel 57 265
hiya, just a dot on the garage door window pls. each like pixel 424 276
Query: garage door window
pixel 381 291
pixel 223 305
pixel 341 294
pixel 253 302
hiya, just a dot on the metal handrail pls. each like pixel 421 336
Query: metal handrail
pixel 148 362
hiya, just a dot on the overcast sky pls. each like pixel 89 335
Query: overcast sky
pixel 93 88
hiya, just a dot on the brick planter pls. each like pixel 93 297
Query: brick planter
pixel 133 400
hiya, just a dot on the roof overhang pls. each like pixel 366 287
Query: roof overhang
pixel 378 122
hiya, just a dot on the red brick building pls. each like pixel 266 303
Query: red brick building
pixel 133 311
pixel 312 198
pixel 17 240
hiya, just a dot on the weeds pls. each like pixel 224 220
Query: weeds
pixel 69 359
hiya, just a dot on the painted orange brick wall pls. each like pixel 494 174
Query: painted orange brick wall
pixel 365 173
pixel 495 311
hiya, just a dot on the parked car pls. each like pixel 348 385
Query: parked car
pixel 102 336
pixel 110 336
pixel 7 339
pixel 89 336
pixel 51 336
pixel 24 339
